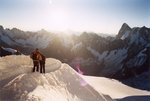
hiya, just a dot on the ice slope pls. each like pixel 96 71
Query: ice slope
pixel 60 83
pixel 117 90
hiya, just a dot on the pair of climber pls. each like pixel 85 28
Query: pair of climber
pixel 38 61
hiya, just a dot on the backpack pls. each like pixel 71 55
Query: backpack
pixel 34 56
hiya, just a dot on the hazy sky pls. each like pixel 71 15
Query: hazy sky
pixel 104 16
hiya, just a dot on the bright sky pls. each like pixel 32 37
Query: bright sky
pixel 104 16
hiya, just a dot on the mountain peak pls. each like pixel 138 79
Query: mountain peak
pixel 125 27
pixel 15 29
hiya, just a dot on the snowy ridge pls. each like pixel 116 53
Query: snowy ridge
pixel 15 65
pixel 60 83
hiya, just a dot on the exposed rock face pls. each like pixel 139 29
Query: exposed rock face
pixel 125 28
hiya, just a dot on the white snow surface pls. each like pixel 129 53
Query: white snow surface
pixel 60 83
pixel 117 90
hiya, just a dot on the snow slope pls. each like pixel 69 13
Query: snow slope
pixel 117 90
pixel 60 83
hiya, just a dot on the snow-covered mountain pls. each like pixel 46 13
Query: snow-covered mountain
pixel 129 55
pixel 60 83
pixel 24 41
pixel 125 56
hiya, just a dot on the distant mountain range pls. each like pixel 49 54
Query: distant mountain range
pixel 124 56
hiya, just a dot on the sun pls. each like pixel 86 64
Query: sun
pixel 59 18
pixel 50 2
pixel 56 17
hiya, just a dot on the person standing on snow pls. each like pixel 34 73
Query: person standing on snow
pixel 42 62
pixel 38 59
pixel 34 57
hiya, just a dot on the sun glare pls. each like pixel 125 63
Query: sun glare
pixel 59 18
pixel 50 2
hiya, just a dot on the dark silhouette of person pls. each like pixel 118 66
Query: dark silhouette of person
pixel 42 60
pixel 34 57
